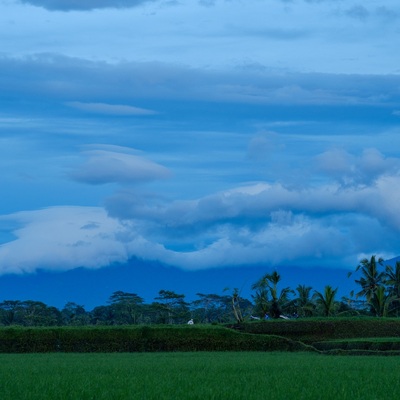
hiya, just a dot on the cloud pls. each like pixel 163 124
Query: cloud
pixel 102 86
pixel 363 13
pixel 59 239
pixel 358 12
pixel 258 204
pixel 81 5
pixel 207 3
pixel 352 170
pixel 306 228
pixel 263 145
pixel 115 164
pixel 387 14
pixel 269 223
pixel 110 109
pixel 272 223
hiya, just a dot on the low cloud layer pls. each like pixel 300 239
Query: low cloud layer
pixel 329 224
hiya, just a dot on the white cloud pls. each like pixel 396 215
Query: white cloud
pixel 114 164
pixel 253 224
pixel 59 238
pixel 110 109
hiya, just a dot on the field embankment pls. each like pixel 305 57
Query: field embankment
pixel 310 331
pixel 140 339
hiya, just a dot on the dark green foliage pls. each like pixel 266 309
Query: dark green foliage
pixel 315 330
pixel 139 339
pixel 28 313
pixel 212 308
pixel 326 301
pixel 170 307
pixel 268 299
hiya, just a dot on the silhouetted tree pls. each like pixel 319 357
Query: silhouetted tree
pixel 326 301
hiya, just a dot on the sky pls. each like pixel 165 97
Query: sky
pixel 201 135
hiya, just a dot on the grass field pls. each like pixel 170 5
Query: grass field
pixel 201 375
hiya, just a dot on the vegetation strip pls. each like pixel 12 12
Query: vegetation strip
pixel 140 339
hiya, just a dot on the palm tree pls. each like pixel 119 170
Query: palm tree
pixel 326 301
pixel 381 301
pixel 371 278
pixel 392 279
pixel 237 312
pixel 268 286
pixel 303 302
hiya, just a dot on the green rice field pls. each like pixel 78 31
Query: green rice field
pixel 200 375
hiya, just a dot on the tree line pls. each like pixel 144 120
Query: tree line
pixel 379 296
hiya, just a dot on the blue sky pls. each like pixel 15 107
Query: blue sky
pixel 198 134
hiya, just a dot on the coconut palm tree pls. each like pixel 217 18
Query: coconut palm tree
pixel 326 301
pixel 380 302
pixel 268 294
pixel 371 278
pixel 303 302
pixel 392 279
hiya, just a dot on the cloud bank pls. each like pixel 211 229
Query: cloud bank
pixel 261 223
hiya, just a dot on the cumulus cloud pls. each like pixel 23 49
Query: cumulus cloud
pixel 115 164
pixel 277 226
pixel 349 169
pixel 81 5
pixel 268 223
pixel 271 223
pixel 261 204
pixel 110 109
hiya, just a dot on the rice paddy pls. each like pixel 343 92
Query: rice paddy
pixel 200 375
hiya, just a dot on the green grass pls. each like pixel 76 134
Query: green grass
pixel 200 375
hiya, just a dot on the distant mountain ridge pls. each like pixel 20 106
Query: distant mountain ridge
pixel 392 261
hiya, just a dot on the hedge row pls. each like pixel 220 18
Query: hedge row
pixel 139 339
pixel 317 330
